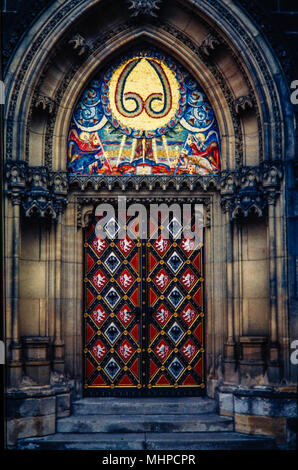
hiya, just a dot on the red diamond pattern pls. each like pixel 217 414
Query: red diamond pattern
pixel 89 367
pixel 189 314
pixel 162 350
pixel 89 262
pixel 189 349
pixel 125 245
pixel 89 297
pixel 99 280
pixel 99 350
pixel 99 315
pixel 162 280
pixel 125 315
pixel 187 245
pixel 89 333
pixel 125 350
pixel 125 280
pixel 161 245
pixel 188 279
pixel 162 315
pixel 99 245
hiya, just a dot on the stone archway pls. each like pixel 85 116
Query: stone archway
pixel 245 85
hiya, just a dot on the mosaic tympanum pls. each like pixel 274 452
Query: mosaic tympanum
pixel 144 115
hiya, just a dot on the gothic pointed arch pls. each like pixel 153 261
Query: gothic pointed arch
pixel 213 125
pixel 215 41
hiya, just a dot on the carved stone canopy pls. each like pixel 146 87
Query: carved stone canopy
pixel 40 192
pixel 143 7
pixel 244 192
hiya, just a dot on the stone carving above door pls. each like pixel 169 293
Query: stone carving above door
pixel 144 7
pixel 244 192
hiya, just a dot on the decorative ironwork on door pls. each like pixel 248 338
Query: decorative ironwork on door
pixel 143 320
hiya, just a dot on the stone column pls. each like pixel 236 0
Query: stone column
pixel 58 345
pixel 15 364
pixel 229 348
pixel 273 360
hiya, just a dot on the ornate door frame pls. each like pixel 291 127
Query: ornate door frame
pixel 157 380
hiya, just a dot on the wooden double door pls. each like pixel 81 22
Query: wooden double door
pixel 143 313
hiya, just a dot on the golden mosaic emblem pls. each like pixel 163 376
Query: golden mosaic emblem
pixel 144 94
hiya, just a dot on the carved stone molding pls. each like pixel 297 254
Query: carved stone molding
pixel 248 192
pixel 46 103
pixel 59 93
pixel 243 205
pixel 242 103
pixel 80 44
pixel 211 41
pixel 265 68
pixel 138 182
pixel 209 44
pixel 15 175
pixel 41 193
pixel 220 9
pixel 144 7
pixel 272 175
pixel 244 192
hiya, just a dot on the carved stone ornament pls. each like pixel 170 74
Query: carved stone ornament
pixel 80 44
pixel 244 192
pixel 144 7
pixel 40 192
pixel 209 44
pixel 46 103
pixel 243 205
pixel 242 103
pixel 249 192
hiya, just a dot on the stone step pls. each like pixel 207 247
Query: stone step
pixel 144 423
pixel 100 406
pixel 148 441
